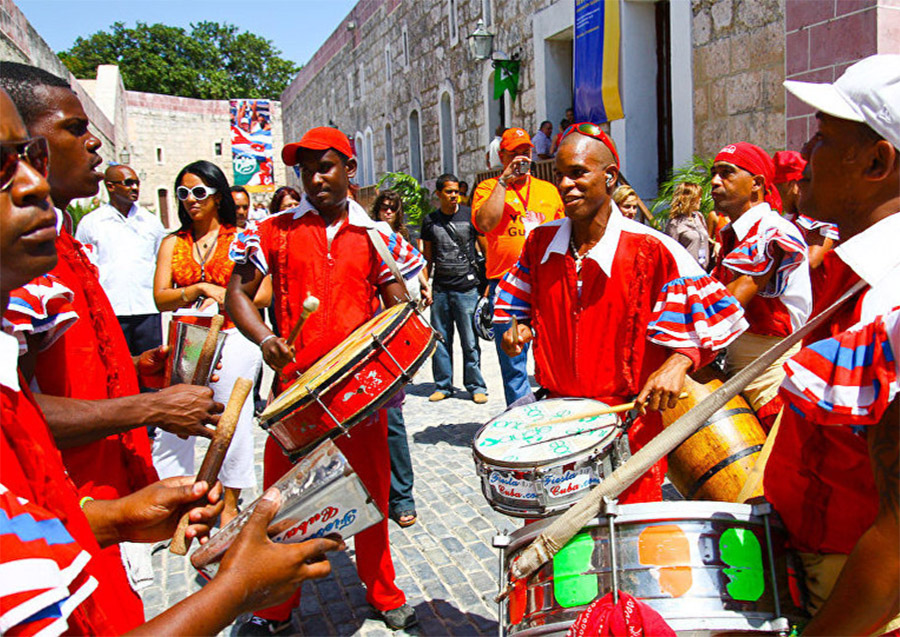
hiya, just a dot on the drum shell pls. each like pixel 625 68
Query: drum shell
pixel 714 463
pixel 692 587
pixel 358 388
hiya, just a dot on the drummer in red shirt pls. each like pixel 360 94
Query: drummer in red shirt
pixel 616 309
pixel 322 248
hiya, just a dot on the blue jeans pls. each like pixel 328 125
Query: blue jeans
pixel 513 370
pixel 401 493
pixel 451 307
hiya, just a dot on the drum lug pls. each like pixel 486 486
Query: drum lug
pixel 764 510
pixel 543 495
pixel 314 392
pixel 611 510
pixel 501 541
pixel 404 375
pixel 621 450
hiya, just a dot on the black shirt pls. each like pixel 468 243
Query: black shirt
pixel 451 268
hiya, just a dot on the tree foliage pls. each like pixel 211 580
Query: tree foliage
pixel 213 61
pixel 416 198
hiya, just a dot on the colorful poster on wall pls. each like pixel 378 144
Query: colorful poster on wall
pixel 596 61
pixel 251 145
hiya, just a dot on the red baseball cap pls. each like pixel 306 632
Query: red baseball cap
pixel 319 138
pixel 513 138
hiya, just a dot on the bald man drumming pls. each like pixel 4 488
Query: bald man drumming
pixel 616 309
pixel 126 238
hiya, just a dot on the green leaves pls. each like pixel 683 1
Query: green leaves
pixel 416 198
pixel 696 171
pixel 213 61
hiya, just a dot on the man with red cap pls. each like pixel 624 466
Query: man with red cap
pixel 505 210
pixel 322 248
pixel 833 473
pixel 617 309
pixel 763 263
pixel 820 236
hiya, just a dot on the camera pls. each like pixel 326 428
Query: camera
pixel 523 168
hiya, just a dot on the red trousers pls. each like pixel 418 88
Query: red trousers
pixel 367 452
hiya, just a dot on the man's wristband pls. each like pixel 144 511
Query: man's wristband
pixel 269 337
pixel 503 183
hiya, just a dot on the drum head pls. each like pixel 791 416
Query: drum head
pixel 331 366
pixel 525 436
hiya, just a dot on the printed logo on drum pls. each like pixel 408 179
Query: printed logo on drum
pixel 321 517
pixel 569 482
pixel 329 518
pixel 509 487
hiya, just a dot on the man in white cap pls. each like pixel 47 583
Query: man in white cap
pixel 833 473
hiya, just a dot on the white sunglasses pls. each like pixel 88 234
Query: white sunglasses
pixel 199 192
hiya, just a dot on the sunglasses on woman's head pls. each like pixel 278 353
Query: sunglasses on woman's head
pixel 197 192
pixel 34 151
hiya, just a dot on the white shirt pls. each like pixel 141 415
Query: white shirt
pixel 494 153
pixel 125 250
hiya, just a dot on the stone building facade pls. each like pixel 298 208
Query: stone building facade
pixel 157 135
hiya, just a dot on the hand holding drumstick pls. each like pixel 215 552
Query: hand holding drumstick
pixel 279 352
pixel 516 338
pixel 663 387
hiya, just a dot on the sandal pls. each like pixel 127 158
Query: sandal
pixel 404 518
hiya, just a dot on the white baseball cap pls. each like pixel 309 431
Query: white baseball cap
pixel 867 92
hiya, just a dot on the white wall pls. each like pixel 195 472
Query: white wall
pixel 552 33
pixel 682 83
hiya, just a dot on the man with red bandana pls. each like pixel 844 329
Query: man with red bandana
pixel 322 248
pixel 820 236
pixel 833 473
pixel 763 263
pixel 616 309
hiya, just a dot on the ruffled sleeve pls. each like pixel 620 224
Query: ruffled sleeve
pixel 695 312
pixel 754 256
pixel 41 308
pixel 247 246
pixel 827 230
pixel 513 295
pixel 409 260
pixel 44 570
pixel 848 379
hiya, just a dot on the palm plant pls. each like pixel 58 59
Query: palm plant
pixel 696 171
pixel 416 198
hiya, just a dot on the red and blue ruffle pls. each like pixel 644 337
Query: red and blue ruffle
pixel 754 256
pixel 41 308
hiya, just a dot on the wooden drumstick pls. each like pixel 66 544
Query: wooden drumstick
pixel 515 331
pixel 215 455
pixel 310 305
pixel 208 353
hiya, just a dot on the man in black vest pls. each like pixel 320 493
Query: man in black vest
pixel 448 243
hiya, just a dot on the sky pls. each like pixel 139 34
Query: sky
pixel 297 27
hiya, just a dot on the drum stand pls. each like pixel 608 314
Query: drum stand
pixel 500 541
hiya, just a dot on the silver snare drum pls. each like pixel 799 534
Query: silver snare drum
pixel 706 567
pixel 539 459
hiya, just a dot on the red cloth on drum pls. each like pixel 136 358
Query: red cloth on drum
pixel 91 361
pixel 294 248
pixel 31 468
pixel 366 451
pixel 630 617
pixel 643 297
pixel 819 477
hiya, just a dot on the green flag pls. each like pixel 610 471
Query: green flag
pixel 506 78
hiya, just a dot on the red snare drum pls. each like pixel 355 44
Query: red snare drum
pixel 353 380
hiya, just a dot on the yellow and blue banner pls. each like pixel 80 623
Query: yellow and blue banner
pixel 597 35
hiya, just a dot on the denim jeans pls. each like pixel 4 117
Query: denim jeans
pixel 451 307
pixel 513 370
pixel 401 494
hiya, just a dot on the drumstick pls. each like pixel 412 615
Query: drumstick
pixel 310 305
pixel 600 412
pixel 515 331
pixel 208 353
pixel 215 455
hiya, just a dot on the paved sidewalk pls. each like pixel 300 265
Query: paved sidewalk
pixel 445 562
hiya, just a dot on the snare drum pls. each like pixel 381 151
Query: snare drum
pixel 539 459
pixel 351 381
pixel 706 567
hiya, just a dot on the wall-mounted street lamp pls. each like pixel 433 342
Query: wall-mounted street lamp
pixel 481 42
pixel 124 156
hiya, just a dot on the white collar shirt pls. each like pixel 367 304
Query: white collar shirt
pixel 125 248
pixel 9 361
pixel 873 256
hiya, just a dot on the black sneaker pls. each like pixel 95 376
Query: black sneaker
pixel 402 617
pixel 259 626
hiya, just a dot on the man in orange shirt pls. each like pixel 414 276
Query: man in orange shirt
pixel 505 210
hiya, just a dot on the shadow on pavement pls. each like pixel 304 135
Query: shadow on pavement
pixel 456 434
pixel 438 617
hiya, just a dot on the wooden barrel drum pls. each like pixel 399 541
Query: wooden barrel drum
pixel 714 463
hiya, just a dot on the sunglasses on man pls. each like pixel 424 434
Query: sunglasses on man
pixel 129 183
pixel 199 193
pixel 34 152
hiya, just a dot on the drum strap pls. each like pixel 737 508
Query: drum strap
pixel 385 254
pixel 554 537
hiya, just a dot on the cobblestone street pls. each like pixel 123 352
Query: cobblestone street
pixel 445 562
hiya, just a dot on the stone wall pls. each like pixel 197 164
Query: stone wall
pixel 320 94
pixel 824 38
pixel 738 68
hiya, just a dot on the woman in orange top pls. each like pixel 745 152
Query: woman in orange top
pixel 192 270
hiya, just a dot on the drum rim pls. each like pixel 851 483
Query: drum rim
pixel 666 511
pixel 402 316
pixel 575 455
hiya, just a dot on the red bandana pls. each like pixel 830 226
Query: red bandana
pixel 789 166
pixel 756 161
